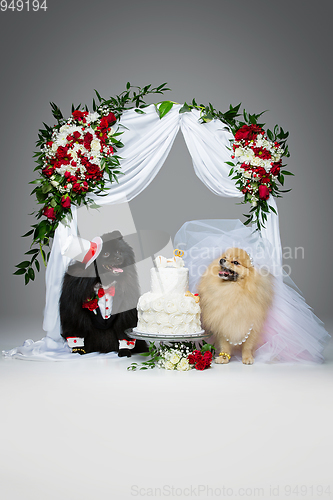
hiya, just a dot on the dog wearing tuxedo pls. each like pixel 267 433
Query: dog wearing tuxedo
pixel 98 302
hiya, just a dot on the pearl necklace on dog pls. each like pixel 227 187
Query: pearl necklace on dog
pixel 242 341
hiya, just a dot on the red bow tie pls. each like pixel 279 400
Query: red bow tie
pixel 102 291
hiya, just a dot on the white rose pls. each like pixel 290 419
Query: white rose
pixel 95 145
pixel 169 366
pixel 175 358
pixel 247 174
pixel 64 129
pixel 54 147
pixel 238 152
pixel 55 183
pixel 183 365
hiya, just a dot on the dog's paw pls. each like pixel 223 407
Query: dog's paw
pixel 248 359
pixel 222 360
pixel 124 352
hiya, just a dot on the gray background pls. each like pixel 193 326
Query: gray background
pixel 269 55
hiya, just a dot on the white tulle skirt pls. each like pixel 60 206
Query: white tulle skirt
pixel 292 332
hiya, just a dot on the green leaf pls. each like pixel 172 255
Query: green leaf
pixel 27 234
pixel 230 163
pixel 185 108
pixel 37 265
pixel 273 209
pixel 285 172
pixel 26 278
pixel 270 135
pixel 247 222
pixel 164 108
pixel 31 273
pixel 32 252
pixel 139 111
pixel 20 271
pixel 41 197
pixel 46 188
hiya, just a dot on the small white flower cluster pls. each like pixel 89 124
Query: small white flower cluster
pixel 174 358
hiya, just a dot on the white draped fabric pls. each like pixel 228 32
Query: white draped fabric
pixel 147 141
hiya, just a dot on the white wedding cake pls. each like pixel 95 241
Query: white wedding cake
pixel 169 308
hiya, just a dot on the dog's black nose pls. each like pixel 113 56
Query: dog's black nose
pixel 222 261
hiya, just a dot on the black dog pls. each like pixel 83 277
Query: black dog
pixel 80 315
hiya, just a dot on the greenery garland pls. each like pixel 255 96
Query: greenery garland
pixel 78 155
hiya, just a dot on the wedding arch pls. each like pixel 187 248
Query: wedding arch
pixel 147 142
pixel 147 135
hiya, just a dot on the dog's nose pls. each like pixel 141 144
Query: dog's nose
pixel 222 261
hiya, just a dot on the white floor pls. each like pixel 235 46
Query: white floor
pixel 91 429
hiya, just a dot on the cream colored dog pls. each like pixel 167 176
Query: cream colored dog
pixel 234 300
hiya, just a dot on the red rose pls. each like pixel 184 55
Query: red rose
pixel 79 115
pixel 48 171
pixel 200 365
pixel 111 118
pixel 275 170
pixel 263 192
pixel 62 152
pixel 100 293
pixel 90 304
pixel 93 171
pixel 104 123
pixel 66 201
pixel 49 212
pixel 261 171
pixel 87 140
pixel 248 132
pixel 191 359
pixel 208 355
pixel 197 355
pixel 266 180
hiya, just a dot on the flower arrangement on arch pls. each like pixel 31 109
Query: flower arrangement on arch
pixel 257 167
pixel 77 157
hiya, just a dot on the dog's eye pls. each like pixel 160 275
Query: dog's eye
pixel 235 262
pixel 106 254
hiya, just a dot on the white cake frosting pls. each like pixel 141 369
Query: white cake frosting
pixel 166 309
